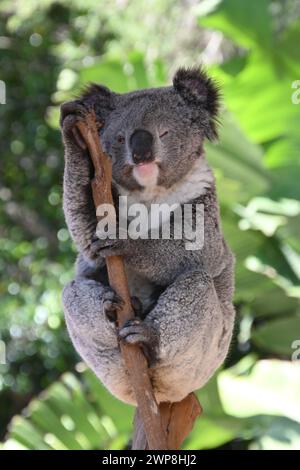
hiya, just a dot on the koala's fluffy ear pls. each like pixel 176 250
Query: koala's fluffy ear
pixel 100 98
pixel 199 90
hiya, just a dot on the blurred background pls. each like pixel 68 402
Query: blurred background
pixel 48 50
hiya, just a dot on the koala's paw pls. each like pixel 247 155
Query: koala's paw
pixel 111 304
pixel 102 248
pixel 136 331
pixel 70 113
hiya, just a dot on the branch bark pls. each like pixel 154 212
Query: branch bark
pixel 178 420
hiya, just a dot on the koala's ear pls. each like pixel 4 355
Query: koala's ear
pixel 99 98
pixel 199 90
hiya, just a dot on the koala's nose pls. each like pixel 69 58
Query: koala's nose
pixel 141 146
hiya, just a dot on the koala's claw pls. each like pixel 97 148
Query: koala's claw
pixel 111 304
pixel 98 245
pixel 75 107
pixel 105 247
pixel 136 331
pixel 70 113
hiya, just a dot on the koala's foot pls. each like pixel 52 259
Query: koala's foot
pixel 111 304
pixel 136 331
pixel 70 113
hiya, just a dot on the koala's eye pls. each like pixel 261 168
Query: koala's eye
pixel 161 136
pixel 120 139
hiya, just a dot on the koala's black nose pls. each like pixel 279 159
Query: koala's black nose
pixel 141 146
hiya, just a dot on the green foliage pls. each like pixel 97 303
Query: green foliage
pixel 72 415
pixel 49 50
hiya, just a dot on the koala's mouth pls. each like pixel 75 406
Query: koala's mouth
pixel 145 167
pixel 146 173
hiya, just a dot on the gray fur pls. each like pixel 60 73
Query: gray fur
pixel 187 295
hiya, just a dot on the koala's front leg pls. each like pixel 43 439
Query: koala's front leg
pixel 193 332
pixel 90 310
pixel 77 198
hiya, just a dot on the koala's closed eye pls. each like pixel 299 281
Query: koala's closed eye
pixel 163 134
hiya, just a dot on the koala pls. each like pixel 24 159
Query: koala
pixel 182 299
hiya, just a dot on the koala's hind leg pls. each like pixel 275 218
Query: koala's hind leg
pixel 193 332
pixel 87 307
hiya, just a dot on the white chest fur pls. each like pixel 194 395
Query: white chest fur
pixel 193 184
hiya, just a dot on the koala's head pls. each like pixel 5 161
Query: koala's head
pixel 154 136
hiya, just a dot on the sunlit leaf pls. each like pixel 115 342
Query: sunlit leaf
pixel 269 387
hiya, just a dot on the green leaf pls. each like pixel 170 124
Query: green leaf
pixel 287 48
pixel 249 285
pixel 281 434
pixel 109 73
pixel 269 387
pixel 84 419
pixel 120 413
pixel 24 432
pixel 119 77
pixel 284 151
pixel 208 434
pixel 273 301
pixel 48 422
pixel 260 98
pixel 246 23
pixel 68 416
pixel 238 159
pixel 277 336
pixel 209 398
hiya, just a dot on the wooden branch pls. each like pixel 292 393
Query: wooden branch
pixel 179 418
pixel 178 421
pixel 134 359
